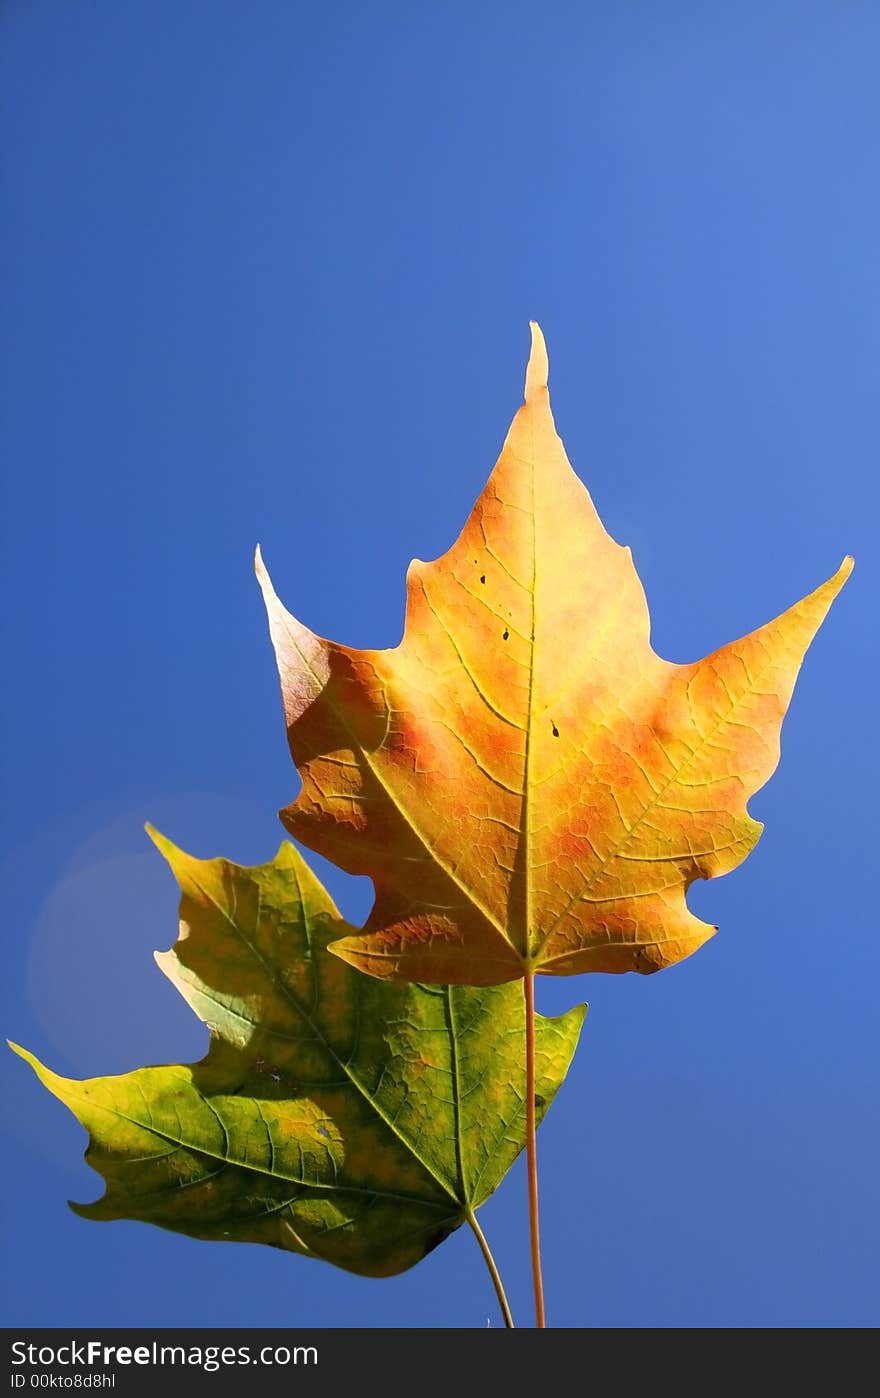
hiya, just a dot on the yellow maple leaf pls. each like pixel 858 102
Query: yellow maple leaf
pixel 529 786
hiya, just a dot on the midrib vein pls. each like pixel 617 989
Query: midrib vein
pixel 526 803
pixel 456 1091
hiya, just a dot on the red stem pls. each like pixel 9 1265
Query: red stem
pixel 531 1151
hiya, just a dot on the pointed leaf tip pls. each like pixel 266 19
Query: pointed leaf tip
pixel 837 580
pixel 26 1055
pixel 267 587
pixel 537 370
pixel 166 847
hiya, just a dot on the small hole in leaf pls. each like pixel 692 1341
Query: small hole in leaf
pixel 555 731
pixel 322 1131
pixel 482 577
pixel 506 634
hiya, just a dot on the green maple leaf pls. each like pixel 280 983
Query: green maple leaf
pixel 334 1115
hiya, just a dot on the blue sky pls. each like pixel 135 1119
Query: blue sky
pixel 267 274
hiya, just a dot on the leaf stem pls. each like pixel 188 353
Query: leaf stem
pixel 493 1269
pixel 531 1150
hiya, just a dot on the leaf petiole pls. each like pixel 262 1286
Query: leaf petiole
pixel 531 1150
pixel 493 1268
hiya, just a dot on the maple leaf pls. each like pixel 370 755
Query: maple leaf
pixel 333 1115
pixel 529 786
